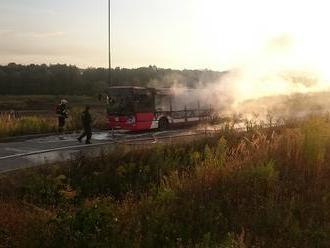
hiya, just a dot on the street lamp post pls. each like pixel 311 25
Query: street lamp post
pixel 109 42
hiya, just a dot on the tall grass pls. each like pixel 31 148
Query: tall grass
pixel 11 126
pixel 262 188
pixel 26 125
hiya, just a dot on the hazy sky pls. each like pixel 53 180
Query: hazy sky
pixel 194 34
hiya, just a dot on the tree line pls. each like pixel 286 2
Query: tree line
pixel 55 79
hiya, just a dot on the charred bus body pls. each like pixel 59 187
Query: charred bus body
pixel 139 108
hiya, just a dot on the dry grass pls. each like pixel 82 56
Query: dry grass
pixel 263 188
pixel 21 224
pixel 10 126
pixel 14 126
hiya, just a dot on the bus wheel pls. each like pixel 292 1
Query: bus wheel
pixel 163 124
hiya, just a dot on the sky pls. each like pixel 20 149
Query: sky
pixel 180 34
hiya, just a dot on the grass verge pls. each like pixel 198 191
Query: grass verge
pixel 263 188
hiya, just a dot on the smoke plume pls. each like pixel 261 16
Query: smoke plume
pixel 283 78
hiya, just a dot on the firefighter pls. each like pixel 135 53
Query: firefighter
pixel 62 114
pixel 86 120
pixel 100 97
pixel 110 103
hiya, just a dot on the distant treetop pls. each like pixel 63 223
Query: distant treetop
pixel 58 79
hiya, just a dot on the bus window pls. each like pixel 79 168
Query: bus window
pixel 163 103
pixel 144 101
pixel 121 102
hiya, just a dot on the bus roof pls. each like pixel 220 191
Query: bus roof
pixel 158 91
pixel 127 87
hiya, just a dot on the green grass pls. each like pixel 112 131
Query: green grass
pixel 263 188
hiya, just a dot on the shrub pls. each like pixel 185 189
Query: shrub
pixel 264 188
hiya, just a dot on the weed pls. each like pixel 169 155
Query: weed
pixel 264 188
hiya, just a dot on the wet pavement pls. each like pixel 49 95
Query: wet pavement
pixel 55 148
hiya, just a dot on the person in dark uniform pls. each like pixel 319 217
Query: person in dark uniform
pixel 62 114
pixel 86 120
pixel 110 103
pixel 100 97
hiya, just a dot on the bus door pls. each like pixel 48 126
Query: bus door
pixel 144 105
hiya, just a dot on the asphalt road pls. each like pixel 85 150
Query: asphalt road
pixel 23 154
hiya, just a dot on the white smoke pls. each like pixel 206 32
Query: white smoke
pixel 281 72
pixel 286 77
pixel 280 68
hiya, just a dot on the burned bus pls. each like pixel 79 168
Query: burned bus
pixel 138 108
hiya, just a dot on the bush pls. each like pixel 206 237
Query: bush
pixel 265 188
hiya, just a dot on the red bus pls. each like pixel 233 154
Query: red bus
pixel 139 108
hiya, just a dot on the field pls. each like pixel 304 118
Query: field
pixel 21 115
pixel 37 112
pixel 43 102
pixel 262 188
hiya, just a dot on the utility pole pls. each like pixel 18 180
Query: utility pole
pixel 109 42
